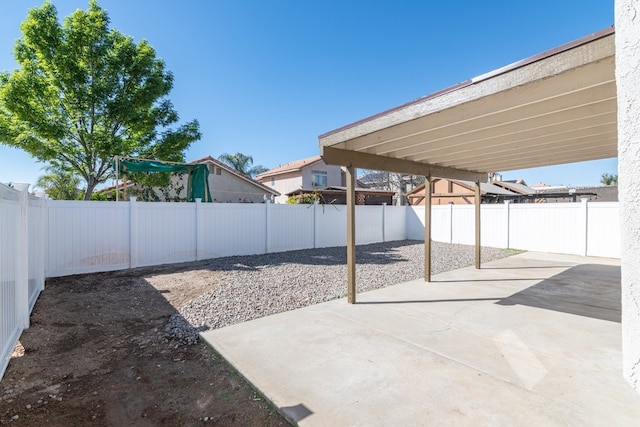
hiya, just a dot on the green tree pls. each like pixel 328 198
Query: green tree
pixel 60 184
pixel 304 199
pixel 609 179
pixel 400 183
pixel 242 163
pixel 84 93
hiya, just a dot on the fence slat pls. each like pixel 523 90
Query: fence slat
pixel 586 228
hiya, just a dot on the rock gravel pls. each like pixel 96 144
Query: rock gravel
pixel 261 285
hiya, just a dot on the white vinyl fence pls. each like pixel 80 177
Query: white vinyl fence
pixel 89 237
pixel 22 260
pixel 585 228
pixel 47 238
pixel 86 237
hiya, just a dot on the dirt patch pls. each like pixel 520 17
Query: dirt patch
pixel 96 354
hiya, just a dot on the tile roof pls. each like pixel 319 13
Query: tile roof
pixel 290 167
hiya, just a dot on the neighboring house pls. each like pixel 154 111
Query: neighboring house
pixel 536 195
pixel 563 194
pixel 516 186
pixel 457 192
pixel 337 195
pixel 604 193
pixel 310 174
pixel 226 185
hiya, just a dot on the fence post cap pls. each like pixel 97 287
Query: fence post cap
pixel 22 187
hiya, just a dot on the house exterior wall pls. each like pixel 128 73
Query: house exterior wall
pixel 228 188
pixel 446 192
pixel 627 22
pixel 333 174
pixel 303 178
pixel 456 194
pixel 283 184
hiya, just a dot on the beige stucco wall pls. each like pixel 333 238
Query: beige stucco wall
pixel 229 188
pixel 333 174
pixel 283 184
pixel 627 21
pixel 291 181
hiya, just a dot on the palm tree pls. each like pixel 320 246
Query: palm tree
pixel 59 183
pixel 242 163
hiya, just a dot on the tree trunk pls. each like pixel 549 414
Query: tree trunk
pixel 91 185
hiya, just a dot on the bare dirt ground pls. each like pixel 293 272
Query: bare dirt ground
pixel 96 354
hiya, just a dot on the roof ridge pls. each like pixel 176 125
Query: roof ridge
pixel 290 166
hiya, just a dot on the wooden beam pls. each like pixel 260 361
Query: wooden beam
pixel 427 229
pixel 117 167
pixel 351 235
pixel 338 156
pixel 125 197
pixel 478 223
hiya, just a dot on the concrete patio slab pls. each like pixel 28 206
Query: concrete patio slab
pixel 529 340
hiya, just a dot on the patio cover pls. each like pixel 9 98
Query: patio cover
pixel 556 107
pixel 198 184
pixel 553 108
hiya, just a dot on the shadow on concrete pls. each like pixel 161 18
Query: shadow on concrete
pixel 591 290
pixel 296 413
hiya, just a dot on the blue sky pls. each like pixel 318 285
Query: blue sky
pixel 265 78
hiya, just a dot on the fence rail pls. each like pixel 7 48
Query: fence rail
pixel 47 238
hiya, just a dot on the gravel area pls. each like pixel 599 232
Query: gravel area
pixel 261 285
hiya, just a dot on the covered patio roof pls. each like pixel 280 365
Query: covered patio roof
pixel 556 107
